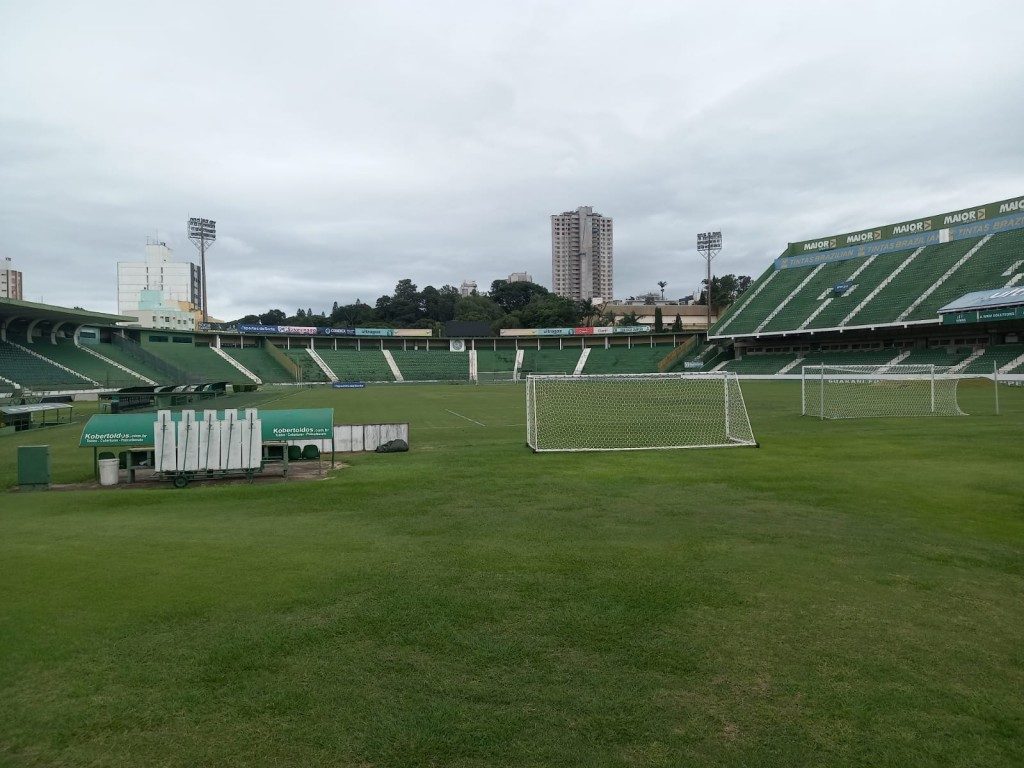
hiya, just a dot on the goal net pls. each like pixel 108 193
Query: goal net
pixel 635 412
pixel 860 391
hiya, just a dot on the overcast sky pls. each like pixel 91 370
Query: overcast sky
pixel 342 146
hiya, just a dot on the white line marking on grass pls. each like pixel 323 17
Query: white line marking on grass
pixel 453 413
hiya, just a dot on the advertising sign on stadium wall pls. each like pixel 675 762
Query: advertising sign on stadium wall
pixel 983 316
pixel 586 330
pixel 310 330
pixel 930 230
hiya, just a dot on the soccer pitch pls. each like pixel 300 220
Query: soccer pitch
pixel 848 594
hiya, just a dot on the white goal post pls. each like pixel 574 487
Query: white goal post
pixel 863 391
pixel 636 412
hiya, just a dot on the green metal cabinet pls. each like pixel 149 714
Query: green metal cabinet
pixel 34 467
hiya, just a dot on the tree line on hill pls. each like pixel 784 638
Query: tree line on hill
pixel 505 305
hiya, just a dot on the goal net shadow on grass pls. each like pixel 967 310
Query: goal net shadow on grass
pixel 636 412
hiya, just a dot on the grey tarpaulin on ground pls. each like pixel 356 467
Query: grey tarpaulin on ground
pixel 393 446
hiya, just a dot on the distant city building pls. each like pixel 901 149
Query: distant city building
pixel 581 254
pixel 160 292
pixel 692 318
pixel 10 281
pixel 520 277
pixel 468 287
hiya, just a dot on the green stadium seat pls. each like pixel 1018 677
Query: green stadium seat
pixel 893 288
pixel 760 364
pixel 199 361
pixel 495 364
pixel 259 362
pixel 308 368
pixel 432 365
pixel 618 359
pixel 23 367
pixel 550 360
pixel 66 353
pixel 357 365
pixel 119 355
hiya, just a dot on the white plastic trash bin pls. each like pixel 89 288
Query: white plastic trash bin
pixel 108 471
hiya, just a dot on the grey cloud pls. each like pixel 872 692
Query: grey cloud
pixel 342 147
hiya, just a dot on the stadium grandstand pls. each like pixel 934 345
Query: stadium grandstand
pixel 887 295
pixel 50 350
pixel 944 290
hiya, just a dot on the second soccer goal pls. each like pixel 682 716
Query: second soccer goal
pixel 859 391
pixel 635 412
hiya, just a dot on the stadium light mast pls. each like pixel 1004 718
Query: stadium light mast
pixel 202 232
pixel 709 245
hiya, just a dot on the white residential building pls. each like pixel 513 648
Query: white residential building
pixel 581 254
pixel 11 286
pixel 160 292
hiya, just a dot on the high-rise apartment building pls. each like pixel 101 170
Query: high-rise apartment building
pixel 520 277
pixel 581 254
pixel 160 292
pixel 467 288
pixel 10 280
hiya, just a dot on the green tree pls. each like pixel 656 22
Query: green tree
pixel 405 304
pixel 662 284
pixel 550 311
pixel 438 304
pixel 273 317
pixel 658 325
pixel 512 297
pixel 352 315
pixel 477 308
pixel 725 289
pixel 511 320
pixel 587 313
pixel 677 325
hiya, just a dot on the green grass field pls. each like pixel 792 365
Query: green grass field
pixel 848 594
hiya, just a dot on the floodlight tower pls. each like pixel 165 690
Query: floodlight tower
pixel 202 232
pixel 709 245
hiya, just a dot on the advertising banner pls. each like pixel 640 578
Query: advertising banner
pixel 634 329
pixel 298 330
pixel 581 331
pixel 104 429
pixel 983 315
pixel 909 228
pixel 257 329
pixel 950 234
pixel 309 330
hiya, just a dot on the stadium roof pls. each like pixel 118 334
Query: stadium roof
pixel 30 310
pixel 990 299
